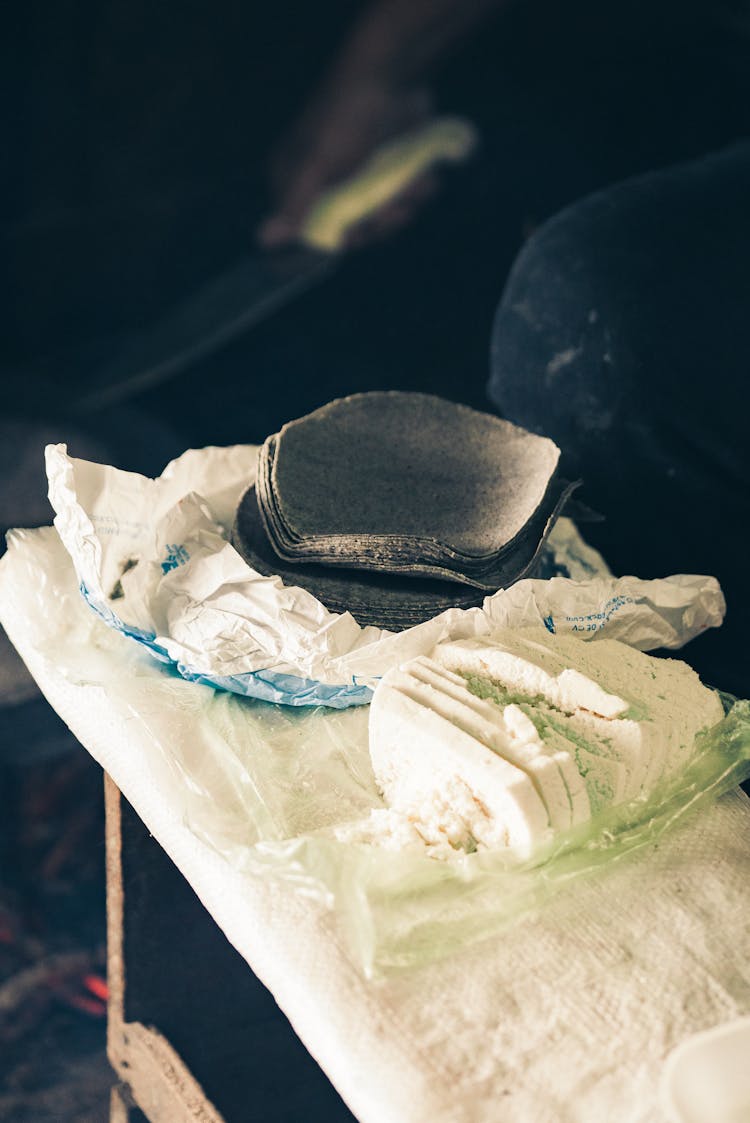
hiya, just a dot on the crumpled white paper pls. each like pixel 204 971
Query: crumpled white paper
pixel 153 559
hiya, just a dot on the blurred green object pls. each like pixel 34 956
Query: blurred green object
pixel 392 168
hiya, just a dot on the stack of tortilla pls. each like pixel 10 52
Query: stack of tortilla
pixel 396 506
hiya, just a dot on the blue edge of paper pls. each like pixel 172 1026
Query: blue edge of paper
pixel 268 686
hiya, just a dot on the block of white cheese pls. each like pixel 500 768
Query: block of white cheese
pixel 503 742
pixel 431 766
pixel 509 733
pixel 623 705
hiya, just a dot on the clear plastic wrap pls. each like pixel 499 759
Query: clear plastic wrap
pixel 266 786
pixel 402 909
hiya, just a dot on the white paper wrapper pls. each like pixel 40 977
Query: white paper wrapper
pixel 153 560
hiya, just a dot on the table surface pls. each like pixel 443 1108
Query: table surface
pixel 565 1017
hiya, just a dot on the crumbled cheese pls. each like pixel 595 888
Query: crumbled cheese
pixel 499 743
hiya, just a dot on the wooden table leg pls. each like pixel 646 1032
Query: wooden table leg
pixel 122 1106
pixel 156 1076
pixel 192 1032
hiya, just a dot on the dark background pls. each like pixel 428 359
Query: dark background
pixel 137 158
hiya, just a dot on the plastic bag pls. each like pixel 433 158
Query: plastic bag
pixel 266 786
pixel 403 909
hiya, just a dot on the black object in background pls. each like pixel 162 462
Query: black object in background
pixel 622 334
pixel 137 156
